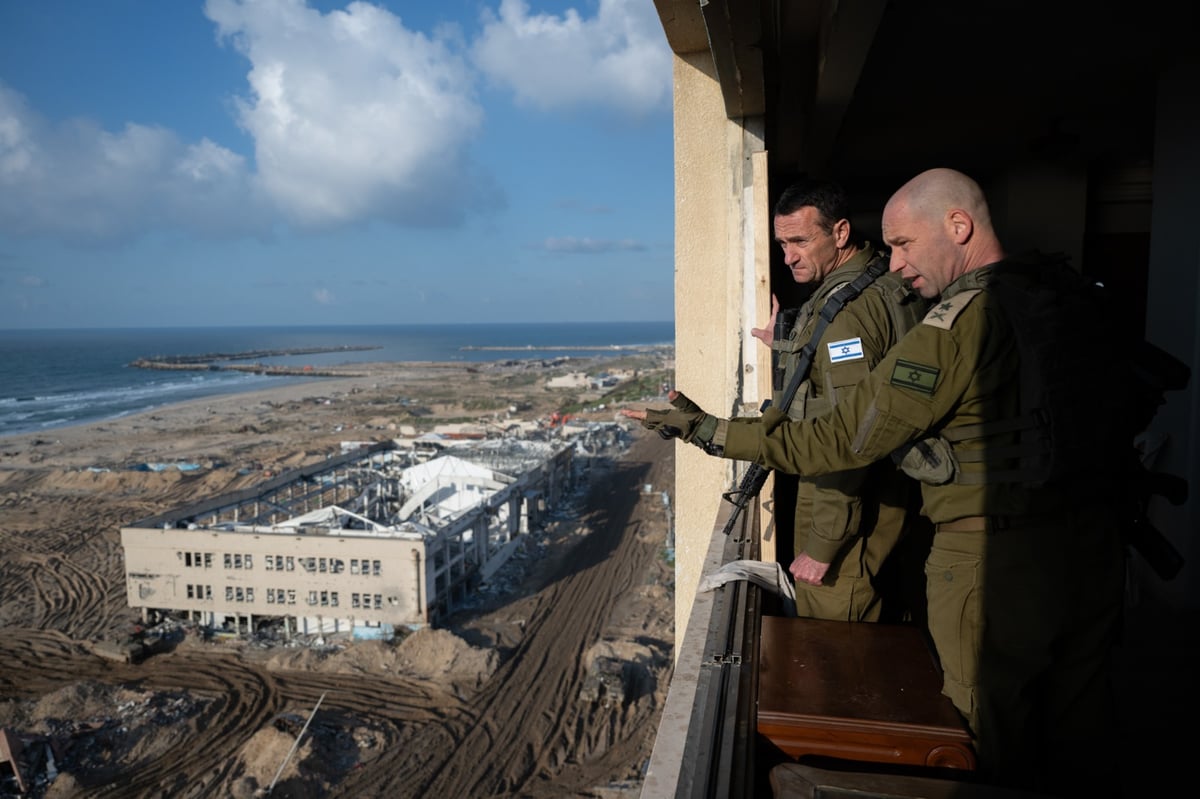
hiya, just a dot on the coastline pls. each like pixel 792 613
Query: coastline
pixel 58 377
pixel 369 401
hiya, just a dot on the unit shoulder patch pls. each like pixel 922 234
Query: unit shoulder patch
pixel 917 376
pixel 944 313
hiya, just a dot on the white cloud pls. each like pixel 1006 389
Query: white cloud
pixel 18 150
pixel 571 244
pixel 352 114
pixel 323 296
pixel 353 117
pixel 618 59
pixel 90 185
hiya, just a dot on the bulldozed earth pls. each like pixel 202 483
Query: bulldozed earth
pixel 548 682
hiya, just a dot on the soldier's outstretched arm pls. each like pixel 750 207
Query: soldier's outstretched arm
pixel 684 420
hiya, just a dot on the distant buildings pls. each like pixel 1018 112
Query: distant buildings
pixel 364 542
pixel 581 380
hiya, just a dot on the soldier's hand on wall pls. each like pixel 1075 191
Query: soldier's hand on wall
pixel 767 334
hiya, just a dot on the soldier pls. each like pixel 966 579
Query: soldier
pixel 1005 406
pixel 846 523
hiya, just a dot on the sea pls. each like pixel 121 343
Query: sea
pixel 56 378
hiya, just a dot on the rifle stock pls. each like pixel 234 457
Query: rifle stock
pixel 1154 547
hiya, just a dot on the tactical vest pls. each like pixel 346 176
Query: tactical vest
pixel 1073 386
pixel 904 306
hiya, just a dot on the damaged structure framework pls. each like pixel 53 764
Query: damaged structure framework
pixel 363 542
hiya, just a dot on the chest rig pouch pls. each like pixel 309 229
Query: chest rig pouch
pixel 1070 392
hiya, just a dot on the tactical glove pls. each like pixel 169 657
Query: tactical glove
pixel 686 421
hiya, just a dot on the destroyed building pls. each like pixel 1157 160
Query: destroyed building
pixel 361 543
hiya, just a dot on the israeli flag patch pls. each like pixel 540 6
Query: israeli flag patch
pixel 848 350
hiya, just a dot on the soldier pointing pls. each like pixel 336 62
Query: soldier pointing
pixel 1003 404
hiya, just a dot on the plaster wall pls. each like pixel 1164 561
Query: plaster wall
pixel 705 312
pixel 160 565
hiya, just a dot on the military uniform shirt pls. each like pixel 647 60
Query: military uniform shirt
pixel 959 366
pixel 851 345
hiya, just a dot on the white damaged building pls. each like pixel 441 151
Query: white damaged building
pixel 361 543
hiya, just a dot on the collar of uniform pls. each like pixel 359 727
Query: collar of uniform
pixel 839 277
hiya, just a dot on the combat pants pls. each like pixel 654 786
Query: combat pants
pixel 1024 614
pixel 849 591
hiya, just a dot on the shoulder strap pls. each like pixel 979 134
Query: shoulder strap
pixel 829 310
pixel 944 313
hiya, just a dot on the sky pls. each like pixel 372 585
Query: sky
pixel 277 162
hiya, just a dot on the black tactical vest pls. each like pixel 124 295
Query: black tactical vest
pixel 1074 379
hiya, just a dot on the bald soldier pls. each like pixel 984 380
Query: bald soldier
pixel 1004 406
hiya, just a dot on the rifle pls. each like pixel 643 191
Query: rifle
pixel 1155 372
pixel 755 477
pixel 1154 547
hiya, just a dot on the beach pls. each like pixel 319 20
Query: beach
pixel 491 701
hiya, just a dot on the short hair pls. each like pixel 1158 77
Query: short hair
pixel 828 197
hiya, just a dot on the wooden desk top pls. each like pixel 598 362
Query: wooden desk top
pixel 858 690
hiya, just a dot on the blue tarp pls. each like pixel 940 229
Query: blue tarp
pixel 383 632
pixel 162 467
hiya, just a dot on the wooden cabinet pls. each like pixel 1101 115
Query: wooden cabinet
pixel 866 692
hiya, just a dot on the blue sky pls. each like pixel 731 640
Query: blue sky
pixel 264 162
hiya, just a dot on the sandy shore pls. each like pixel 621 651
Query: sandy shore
pixel 302 416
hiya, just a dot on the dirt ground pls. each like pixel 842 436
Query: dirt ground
pixel 499 699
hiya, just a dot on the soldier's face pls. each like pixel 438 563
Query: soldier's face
pixel 921 254
pixel 808 250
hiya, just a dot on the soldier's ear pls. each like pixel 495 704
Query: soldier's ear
pixel 841 232
pixel 959 225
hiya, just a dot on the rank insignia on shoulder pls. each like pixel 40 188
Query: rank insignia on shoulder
pixel 943 314
pixel 919 377
pixel 849 350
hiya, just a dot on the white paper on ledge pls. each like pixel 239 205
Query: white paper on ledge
pixel 769 576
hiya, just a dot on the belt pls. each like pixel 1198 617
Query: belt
pixel 996 523
pixel 975 524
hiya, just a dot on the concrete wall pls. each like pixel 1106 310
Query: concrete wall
pixel 161 564
pixel 715 262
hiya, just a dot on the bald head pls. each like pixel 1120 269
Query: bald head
pixel 937 191
pixel 939 228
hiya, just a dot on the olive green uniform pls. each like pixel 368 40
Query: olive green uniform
pixel 852 519
pixel 1024 581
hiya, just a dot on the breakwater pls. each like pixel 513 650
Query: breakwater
pixel 557 347
pixel 245 356
pixel 220 361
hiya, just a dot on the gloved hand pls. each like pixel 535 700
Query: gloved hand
pixel 685 420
